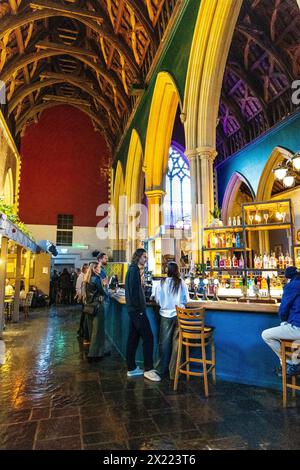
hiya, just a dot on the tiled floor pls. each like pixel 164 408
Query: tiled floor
pixel 51 398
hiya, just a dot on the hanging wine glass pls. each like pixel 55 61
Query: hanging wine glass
pixel 251 217
pixel 283 216
pixel 266 216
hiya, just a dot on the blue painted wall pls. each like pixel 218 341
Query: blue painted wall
pixel 251 161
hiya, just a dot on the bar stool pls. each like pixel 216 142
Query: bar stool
pixel 288 349
pixel 194 334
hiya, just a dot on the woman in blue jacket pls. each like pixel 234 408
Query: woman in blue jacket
pixel 289 313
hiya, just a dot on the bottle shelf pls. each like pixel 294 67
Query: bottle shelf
pixel 245 270
pixel 227 249
pixel 228 228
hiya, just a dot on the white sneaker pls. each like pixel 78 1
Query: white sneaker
pixel 135 372
pixel 152 375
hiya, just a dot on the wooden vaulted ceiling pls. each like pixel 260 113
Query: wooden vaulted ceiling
pixel 88 53
pixel 264 60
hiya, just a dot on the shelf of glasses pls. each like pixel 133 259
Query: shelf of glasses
pixel 274 226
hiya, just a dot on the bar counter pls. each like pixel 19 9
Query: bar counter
pixel 241 354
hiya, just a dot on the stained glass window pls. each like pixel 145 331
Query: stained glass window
pixel 177 202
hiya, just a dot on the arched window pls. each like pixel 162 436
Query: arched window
pixel 177 203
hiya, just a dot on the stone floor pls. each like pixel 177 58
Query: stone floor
pixel 51 398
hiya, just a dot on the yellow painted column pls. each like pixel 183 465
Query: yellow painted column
pixel 202 187
pixel 16 312
pixel 3 264
pixel 27 270
pixel 155 210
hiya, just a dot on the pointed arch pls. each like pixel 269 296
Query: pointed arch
pixel 8 188
pixel 134 187
pixel 231 193
pixel 265 185
pixel 163 109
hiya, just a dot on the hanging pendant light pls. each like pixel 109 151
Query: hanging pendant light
pixel 289 180
pixel 280 172
pixel 296 161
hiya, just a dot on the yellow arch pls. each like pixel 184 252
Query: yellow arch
pixel 134 186
pixel 8 188
pixel 265 185
pixel 134 168
pixel 118 221
pixel 210 47
pixel 231 192
pixel 163 109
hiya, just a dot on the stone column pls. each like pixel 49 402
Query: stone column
pixel 202 187
pixel 16 312
pixel 27 270
pixel 3 263
pixel 155 210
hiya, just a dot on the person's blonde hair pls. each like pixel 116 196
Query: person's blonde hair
pixel 90 271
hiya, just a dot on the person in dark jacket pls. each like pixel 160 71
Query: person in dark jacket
pixel 289 313
pixel 93 306
pixel 139 326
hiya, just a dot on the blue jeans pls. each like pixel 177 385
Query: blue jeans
pixel 168 346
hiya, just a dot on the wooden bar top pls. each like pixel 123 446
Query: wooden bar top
pixel 235 306
pixel 220 305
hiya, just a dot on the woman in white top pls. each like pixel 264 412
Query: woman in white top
pixel 170 292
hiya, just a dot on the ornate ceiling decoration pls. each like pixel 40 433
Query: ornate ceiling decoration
pixel 92 54
pixel 263 62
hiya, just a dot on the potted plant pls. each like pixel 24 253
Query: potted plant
pixel 216 214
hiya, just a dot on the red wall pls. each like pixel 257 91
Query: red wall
pixel 61 160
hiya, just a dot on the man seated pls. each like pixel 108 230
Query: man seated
pixel 289 313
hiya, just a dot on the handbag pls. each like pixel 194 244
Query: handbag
pixel 89 309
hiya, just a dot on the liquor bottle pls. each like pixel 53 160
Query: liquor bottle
pixel 287 260
pixel 265 261
pixel 281 261
pixel 273 261
pixel 238 241
pixel 222 262
pixel 228 240
pixel 264 284
pixel 216 261
pixel 208 264
pixel 208 241
pixel 233 240
pixel 238 220
pixel 235 262
pixel 228 263
pixel 241 262
pixel 223 240
pixel 257 264
pixel 229 221
pixel 234 221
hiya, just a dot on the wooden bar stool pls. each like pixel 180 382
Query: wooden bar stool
pixel 288 349
pixel 194 334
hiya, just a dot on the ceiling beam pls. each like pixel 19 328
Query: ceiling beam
pixel 51 79
pixel 16 64
pixel 261 39
pixel 60 8
pixel 10 23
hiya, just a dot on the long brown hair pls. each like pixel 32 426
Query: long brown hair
pixel 137 255
pixel 173 272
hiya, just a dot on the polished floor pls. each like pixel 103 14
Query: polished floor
pixel 51 398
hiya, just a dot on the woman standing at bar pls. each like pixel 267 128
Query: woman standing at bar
pixel 170 292
pixel 94 309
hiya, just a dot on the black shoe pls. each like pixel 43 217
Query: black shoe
pixel 107 353
pixel 291 370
